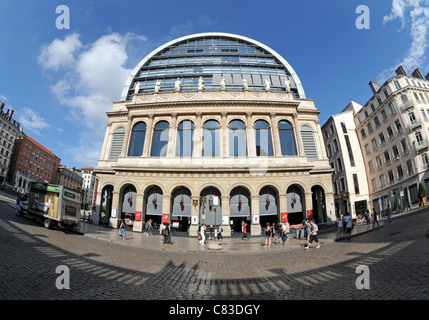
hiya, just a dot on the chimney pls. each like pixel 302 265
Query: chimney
pixel 427 77
pixel 2 104
pixel 374 86
pixel 401 71
pixel 417 74
pixel 11 113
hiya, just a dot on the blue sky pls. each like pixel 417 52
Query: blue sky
pixel 61 82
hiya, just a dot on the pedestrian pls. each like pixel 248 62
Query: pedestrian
pixel 211 232
pixel 388 215
pixel 306 228
pixel 199 231
pixel 146 228
pixel 349 225
pixel 84 218
pixel 203 234
pixel 150 227
pixel 368 219
pixel 313 235
pixel 167 234
pixel 123 233
pixel 219 235
pixel 339 226
pixel 268 235
pixel 274 230
pixel 18 205
pixel 283 234
pixel 375 219
pixel 244 233
pixel 216 233
pixel 408 204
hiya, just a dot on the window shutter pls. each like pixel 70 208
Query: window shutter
pixel 117 141
pixel 308 142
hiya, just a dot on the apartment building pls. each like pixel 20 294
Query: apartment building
pixel 345 157
pixel 392 128
pixel 70 178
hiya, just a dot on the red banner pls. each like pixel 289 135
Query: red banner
pixel 284 217
pixel 165 218
pixel 310 214
pixel 138 216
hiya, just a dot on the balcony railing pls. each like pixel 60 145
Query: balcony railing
pixel 420 145
pixel 416 123
pixel 406 105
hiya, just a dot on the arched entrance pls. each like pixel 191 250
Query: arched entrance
pixel 153 204
pixel 295 204
pixel 210 207
pixel 268 206
pixel 239 208
pixel 106 205
pixel 181 209
pixel 319 205
pixel 128 201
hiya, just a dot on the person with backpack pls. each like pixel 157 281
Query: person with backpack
pixel 313 235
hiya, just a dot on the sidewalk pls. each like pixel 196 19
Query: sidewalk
pixel 233 244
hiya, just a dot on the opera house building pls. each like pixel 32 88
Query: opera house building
pixel 214 128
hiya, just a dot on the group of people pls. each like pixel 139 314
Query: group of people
pixel 271 230
pixel 215 233
pixel 345 225
pixel 310 233
pixel 164 230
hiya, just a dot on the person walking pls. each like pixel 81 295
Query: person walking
pixel 123 231
pixel 313 235
pixel 339 227
pixel 268 231
pixel 375 219
pixel 368 219
pixel 349 225
pixel 388 215
pixel 203 234
pixel 167 234
pixel 283 234
pixel 244 234
pixel 219 234
pixel 18 205
pixel 306 228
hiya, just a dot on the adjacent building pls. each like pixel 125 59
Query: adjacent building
pixel 70 178
pixel 32 162
pixel 345 157
pixel 214 128
pixel 10 130
pixel 393 133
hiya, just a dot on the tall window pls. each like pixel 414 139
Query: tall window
pixel 263 139
pixel 160 139
pixel 237 139
pixel 137 140
pixel 308 142
pixel 287 138
pixel 117 141
pixel 211 139
pixel 185 139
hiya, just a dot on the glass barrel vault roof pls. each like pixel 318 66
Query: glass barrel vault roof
pixel 212 56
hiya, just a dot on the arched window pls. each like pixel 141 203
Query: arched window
pixel 137 140
pixel 185 139
pixel 117 141
pixel 237 139
pixel 263 138
pixel 287 138
pixel 308 142
pixel 160 139
pixel 211 139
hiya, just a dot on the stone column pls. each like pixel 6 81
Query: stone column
pixel 226 212
pixel 255 229
pixel 114 222
pixel 224 136
pixel 172 136
pixel 283 208
pixel 277 150
pixel 166 206
pixel 195 211
pixel 297 134
pixel 198 137
pixel 308 203
pixel 148 136
pixel 138 225
pixel 250 135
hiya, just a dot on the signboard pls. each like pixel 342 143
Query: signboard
pixel 255 219
pixel 165 217
pixel 225 220
pixel 310 214
pixel 284 217
pixel 138 216
pixel 215 200
pixel 113 215
pixel 194 220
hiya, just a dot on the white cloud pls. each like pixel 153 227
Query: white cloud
pixel 32 121
pixel 417 13
pixel 60 53
pixel 93 76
